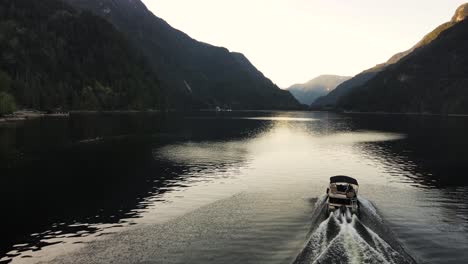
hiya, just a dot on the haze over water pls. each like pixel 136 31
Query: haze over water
pixel 234 187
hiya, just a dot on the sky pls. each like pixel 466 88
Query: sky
pixel 293 41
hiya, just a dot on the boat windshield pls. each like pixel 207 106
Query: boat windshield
pixel 339 201
pixel 342 187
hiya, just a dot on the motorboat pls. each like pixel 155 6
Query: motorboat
pixel 342 194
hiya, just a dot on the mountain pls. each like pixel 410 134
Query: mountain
pixel 306 93
pixel 197 74
pixel 331 99
pixel 53 56
pixel 431 79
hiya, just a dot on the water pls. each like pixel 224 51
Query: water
pixel 343 237
pixel 240 187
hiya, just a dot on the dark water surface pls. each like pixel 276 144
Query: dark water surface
pixel 240 187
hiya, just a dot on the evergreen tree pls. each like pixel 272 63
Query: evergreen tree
pixel 53 56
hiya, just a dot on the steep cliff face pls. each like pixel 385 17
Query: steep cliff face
pixel 331 99
pixel 431 79
pixel 195 73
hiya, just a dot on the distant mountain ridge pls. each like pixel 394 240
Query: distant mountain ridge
pixel 306 93
pixel 196 74
pixel 331 99
pixel 433 78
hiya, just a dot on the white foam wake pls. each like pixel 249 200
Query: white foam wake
pixel 343 238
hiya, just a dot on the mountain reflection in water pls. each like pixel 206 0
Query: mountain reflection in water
pixel 223 187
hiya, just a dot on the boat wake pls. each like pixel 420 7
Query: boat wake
pixel 346 238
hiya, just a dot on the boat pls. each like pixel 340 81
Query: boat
pixel 342 194
pixel 219 109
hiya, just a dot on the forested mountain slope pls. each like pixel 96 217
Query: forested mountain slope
pixel 196 74
pixel 52 56
pixel 432 79
pixel 331 99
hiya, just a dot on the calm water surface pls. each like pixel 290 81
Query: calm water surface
pixel 240 187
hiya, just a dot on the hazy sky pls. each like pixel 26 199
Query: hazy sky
pixel 292 41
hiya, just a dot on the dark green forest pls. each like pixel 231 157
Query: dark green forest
pixel 432 79
pixel 196 75
pixel 345 89
pixel 55 57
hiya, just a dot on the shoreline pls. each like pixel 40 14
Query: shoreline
pixel 23 115
pixel 403 114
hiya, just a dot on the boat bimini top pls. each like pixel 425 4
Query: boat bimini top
pixel 343 179
pixel 342 192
